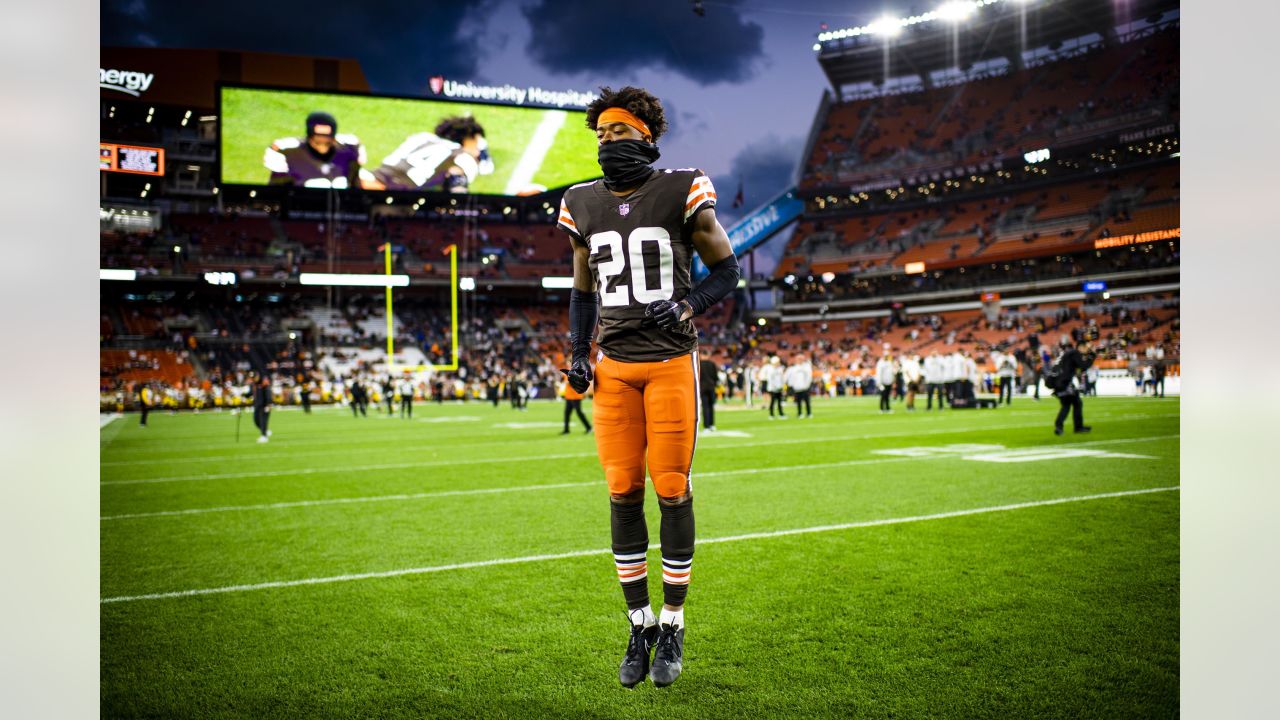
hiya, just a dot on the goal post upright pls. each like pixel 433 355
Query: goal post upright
pixel 391 341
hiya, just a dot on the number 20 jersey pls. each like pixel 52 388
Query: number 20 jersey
pixel 641 251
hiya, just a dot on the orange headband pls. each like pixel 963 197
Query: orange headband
pixel 617 114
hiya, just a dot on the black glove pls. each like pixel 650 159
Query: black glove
pixel 579 374
pixel 666 313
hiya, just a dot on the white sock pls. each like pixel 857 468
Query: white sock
pixel 672 617
pixel 642 616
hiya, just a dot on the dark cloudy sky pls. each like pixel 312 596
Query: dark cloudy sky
pixel 741 85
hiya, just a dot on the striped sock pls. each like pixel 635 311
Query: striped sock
pixel 633 573
pixel 675 579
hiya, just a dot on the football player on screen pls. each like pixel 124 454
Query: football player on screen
pixel 322 159
pixel 634 234
pixel 450 158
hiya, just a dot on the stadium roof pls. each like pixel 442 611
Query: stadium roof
pixel 961 33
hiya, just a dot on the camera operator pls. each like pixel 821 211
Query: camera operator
pixel 1074 360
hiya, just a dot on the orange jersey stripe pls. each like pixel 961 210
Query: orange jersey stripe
pixel 703 196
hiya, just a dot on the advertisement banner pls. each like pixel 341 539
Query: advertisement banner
pixel 130 159
pixel 759 225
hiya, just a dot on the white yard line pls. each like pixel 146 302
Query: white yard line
pixel 560 486
pixel 536 151
pixel 704 447
pixel 105 420
pixel 586 553
pixel 346 501
pixel 292 447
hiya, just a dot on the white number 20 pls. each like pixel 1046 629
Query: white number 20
pixel 613 267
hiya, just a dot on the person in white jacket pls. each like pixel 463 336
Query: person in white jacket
pixel 799 377
pixel 1006 370
pixel 955 375
pixel 934 383
pixel 775 384
pixel 911 377
pixel 885 371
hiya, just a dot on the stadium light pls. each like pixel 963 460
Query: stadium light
pixel 557 283
pixel 890 26
pixel 956 10
pixel 467 283
pixel 110 274
pixel 353 280
pixel 887 26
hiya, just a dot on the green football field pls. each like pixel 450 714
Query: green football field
pixel 948 564
pixel 252 119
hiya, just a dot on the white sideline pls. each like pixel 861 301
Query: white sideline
pixel 535 152
pixel 559 486
pixel 584 553
pixel 564 456
pixel 105 420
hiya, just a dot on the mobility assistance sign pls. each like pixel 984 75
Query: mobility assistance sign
pixel 759 225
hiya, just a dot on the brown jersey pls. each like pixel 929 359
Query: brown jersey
pixel 641 251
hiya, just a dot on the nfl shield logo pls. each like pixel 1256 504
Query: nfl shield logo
pixel 437 83
pixel 624 208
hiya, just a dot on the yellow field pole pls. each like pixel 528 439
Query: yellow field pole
pixel 453 308
pixel 391 341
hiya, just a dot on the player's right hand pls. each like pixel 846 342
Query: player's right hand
pixel 579 375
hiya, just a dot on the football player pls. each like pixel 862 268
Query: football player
pixel 450 158
pixel 322 159
pixel 634 234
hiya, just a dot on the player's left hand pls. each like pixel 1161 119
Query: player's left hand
pixel 668 313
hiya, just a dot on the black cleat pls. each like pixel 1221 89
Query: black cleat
pixel 635 664
pixel 1084 429
pixel 668 657
pixel 1057 429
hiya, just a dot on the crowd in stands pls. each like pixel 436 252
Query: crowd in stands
pixel 507 350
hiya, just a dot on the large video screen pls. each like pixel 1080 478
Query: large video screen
pixel 332 140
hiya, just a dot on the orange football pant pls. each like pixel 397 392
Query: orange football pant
pixel 646 413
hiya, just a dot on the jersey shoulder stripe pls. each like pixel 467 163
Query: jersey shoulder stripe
pixel 566 221
pixel 702 194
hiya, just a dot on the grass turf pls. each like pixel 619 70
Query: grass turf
pixel 1063 610
pixel 253 119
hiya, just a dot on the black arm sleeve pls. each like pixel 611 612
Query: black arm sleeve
pixel 583 309
pixel 722 280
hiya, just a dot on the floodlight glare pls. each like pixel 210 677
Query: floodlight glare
pixel 956 10
pixel 557 283
pixel 887 26
pixel 113 274
pixel 467 283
